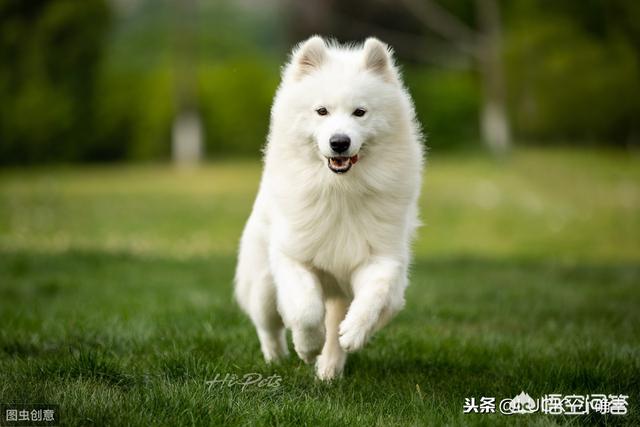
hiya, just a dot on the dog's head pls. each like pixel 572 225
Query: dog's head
pixel 341 99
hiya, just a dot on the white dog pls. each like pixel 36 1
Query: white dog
pixel 326 249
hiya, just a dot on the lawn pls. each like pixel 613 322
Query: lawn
pixel 115 296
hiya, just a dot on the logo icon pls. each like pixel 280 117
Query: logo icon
pixel 521 404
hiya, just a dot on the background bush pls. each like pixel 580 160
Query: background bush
pixel 96 80
pixel 49 58
pixel 567 84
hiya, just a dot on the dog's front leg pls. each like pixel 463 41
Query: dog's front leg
pixel 300 304
pixel 378 288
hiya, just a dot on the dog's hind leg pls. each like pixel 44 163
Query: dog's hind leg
pixel 331 362
pixel 268 323
pixel 256 294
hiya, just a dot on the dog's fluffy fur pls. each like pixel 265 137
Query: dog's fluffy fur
pixel 326 254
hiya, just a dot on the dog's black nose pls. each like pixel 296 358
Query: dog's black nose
pixel 340 143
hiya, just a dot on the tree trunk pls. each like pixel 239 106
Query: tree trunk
pixel 187 137
pixel 494 121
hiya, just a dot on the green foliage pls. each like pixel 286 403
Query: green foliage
pixel 49 54
pixel 234 87
pixel 134 110
pixel 447 105
pixel 235 98
pixel 566 84
pixel 81 81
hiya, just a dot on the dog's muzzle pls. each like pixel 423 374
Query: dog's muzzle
pixel 341 164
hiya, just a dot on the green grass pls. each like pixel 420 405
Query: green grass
pixel 115 296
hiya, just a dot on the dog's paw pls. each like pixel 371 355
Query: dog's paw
pixel 308 343
pixel 274 355
pixel 273 345
pixel 353 335
pixel 329 368
pixel 308 357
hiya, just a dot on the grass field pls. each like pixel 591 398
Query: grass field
pixel 115 296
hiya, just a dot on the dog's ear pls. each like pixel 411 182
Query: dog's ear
pixel 309 56
pixel 377 58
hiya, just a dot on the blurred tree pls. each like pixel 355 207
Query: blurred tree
pixel 75 87
pixel 559 60
pixel 227 72
pixel 49 56
pixel 187 135
pixel 574 71
pixel 484 45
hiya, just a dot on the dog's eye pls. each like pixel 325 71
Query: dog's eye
pixel 359 112
pixel 322 111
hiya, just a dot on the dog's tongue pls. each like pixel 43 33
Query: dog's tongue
pixel 342 164
pixel 344 161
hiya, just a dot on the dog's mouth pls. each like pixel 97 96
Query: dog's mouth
pixel 341 164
